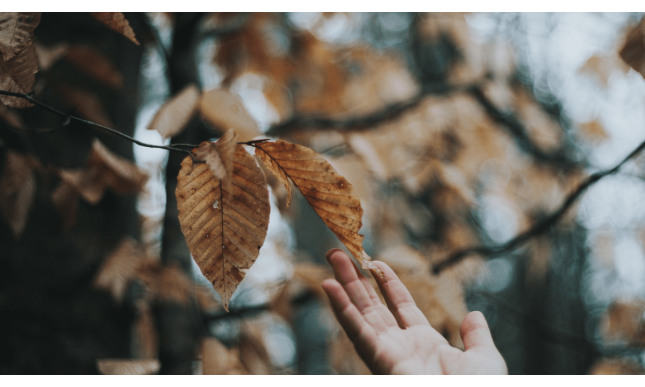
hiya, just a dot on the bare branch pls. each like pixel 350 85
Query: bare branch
pixel 556 336
pixel 389 112
pixel 70 117
pixel 540 226
pixel 519 132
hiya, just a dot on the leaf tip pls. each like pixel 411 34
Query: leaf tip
pixel 367 264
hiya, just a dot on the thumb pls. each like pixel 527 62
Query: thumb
pixel 475 332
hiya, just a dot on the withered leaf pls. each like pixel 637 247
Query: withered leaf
pixel 616 366
pixel 18 75
pixel 88 105
pixel 17 190
pixel 93 63
pixel 145 341
pixel 219 157
pixel 594 130
pixel 219 360
pixel 272 165
pixel 165 283
pixel 116 22
pixel 128 366
pixel 206 300
pixel 224 229
pixel 119 268
pixel 104 170
pixel 173 116
pixel 633 52
pixel 623 321
pixel 328 193
pixel 48 56
pixel 253 353
pixel 11 117
pixel 223 109
pixel 65 199
pixel 16 31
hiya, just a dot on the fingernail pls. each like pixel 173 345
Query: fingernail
pixel 330 252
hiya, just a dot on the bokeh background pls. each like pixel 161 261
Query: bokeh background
pixel 456 131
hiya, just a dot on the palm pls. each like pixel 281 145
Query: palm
pixel 398 339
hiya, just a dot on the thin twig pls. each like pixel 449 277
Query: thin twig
pixel 250 143
pixel 519 132
pixel 225 31
pixel 539 227
pixel 70 117
pixel 389 112
pixel 556 336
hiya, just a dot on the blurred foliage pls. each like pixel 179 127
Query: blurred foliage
pixel 446 137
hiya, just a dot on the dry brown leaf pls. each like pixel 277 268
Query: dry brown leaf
pixel 540 260
pixel 145 341
pixel 219 157
pixel 173 116
pixel 253 353
pixel 219 360
pixel 252 49
pixel 95 64
pixel 116 22
pixel 598 67
pixel 88 105
pixel 307 277
pixel 616 367
pixel 275 169
pixel 119 268
pixel 18 75
pixel 165 283
pixel 128 366
pixel 624 322
pixel 328 193
pixel 103 170
pixel 16 31
pixel 223 109
pixel 633 52
pixel 224 230
pixel 17 190
pixel 206 300
pixel 545 131
pixel 344 358
pixel 65 199
pixel 48 56
pixel 594 130
pixel 319 76
pixel 11 117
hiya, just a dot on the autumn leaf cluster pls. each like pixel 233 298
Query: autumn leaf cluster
pixel 407 149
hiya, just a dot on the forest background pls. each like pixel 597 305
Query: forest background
pixel 471 140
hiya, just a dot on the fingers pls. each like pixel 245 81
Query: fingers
pixel 359 291
pixel 349 317
pixel 346 274
pixel 475 332
pixel 398 298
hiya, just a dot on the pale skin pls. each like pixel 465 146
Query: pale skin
pixel 397 338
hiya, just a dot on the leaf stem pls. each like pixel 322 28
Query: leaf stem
pixel 540 226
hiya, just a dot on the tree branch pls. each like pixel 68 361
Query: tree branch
pixel 540 226
pixel 558 337
pixel 518 131
pixel 70 117
pixel 389 112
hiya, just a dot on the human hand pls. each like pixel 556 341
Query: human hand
pixel 398 339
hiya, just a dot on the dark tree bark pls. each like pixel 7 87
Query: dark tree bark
pixel 54 322
pixel 180 326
